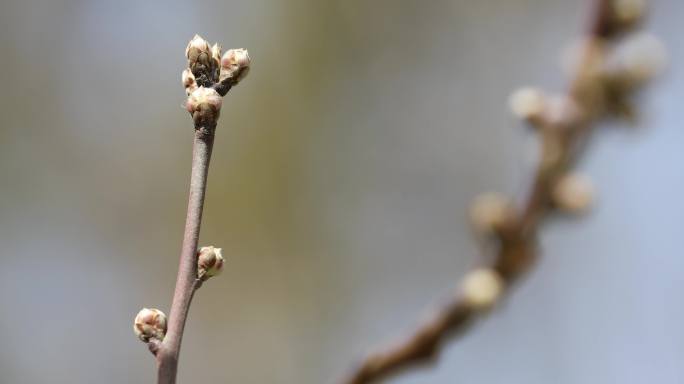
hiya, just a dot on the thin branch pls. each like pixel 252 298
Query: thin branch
pixel 564 131
pixel 207 79
pixel 187 281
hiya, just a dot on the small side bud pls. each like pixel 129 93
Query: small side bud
pixel 235 65
pixel 528 103
pixel 209 262
pixel 188 81
pixel 150 323
pixel 481 288
pixel 490 212
pixel 627 13
pixel 637 60
pixel 573 193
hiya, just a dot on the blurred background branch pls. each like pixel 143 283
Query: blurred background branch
pixel 563 123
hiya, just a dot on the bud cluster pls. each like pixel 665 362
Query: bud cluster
pixel 607 68
pixel 209 76
pixel 610 67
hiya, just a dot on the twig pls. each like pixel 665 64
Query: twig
pixel 209 77
pixel 564 124
pixel 187 281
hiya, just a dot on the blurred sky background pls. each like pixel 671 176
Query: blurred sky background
pixel 342 173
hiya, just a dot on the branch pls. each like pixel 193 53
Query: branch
pixel 600 84
pixel 208 77
pixel 187 281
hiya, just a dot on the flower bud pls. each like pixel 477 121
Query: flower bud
pixel 201 62
pixel 637 60
pixel 527 103
pixel 204 99
pixel 197 47
pixel 188 80
pixel 150 323
pixel 235 65
pixel 209 262
pixel 490 212
pixel 573 193
pixel 481 288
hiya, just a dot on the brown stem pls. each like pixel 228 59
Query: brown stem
pixel 187 281
pixel 516 249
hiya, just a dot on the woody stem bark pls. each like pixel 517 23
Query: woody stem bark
pixel 187 281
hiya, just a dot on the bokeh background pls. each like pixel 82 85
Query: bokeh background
pixel 339 190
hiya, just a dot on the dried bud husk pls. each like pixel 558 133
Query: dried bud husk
pixel 150 323
pixel 209 262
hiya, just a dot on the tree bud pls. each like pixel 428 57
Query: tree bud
pixel 197 48
pixel 204 100
pixel 235 65
pixel 490 212
pixel 527 103
pixel 573 193
pixel 637 60
pixel 150 323
pixel 200 61
pixel 481 288
pixel 188 81
pixel 209 262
